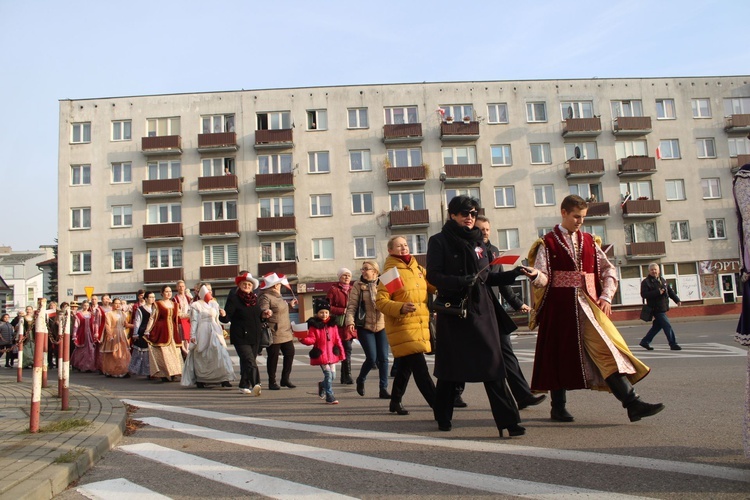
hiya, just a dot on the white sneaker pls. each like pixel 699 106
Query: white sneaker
pixel 256 390
pixel 245 390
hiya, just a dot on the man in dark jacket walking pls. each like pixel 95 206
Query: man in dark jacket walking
pixel 656 292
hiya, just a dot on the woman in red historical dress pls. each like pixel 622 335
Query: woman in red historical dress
pixel 163 338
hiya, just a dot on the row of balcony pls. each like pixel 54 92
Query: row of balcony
pixel 215 273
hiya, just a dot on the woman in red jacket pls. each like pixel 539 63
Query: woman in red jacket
pixel 338 297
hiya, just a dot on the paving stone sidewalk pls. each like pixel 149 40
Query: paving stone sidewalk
pixel 41 465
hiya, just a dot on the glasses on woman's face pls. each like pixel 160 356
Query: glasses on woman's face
pixel 365 269
pixel 469 213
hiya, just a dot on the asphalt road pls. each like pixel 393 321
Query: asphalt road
pixel 217 443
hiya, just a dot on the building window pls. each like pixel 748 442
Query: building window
pixel 541 231
pixel 669 149
pixel 277 120
pixel 220 255
pixel 701 108
pixel 319 162
pixel 80 218
pixel 357 118
pixel 364 247
pixel 636 189
pixel 317 119
pixel 407 200
pixel 452 193
pixel 589 192
pixel 278 251
pixel 163 214
pixel 586 151
pixel 407 157
pixel 457 111
pixel 80 175
pixel 122 260
pixel 80 262
pixel 736 106
pixel 322 248
pixel 362 203
pixel 164 257
pixel 30 295
pixel 165 169
pixel 216 124
pixel 401 114
pixel 497 113
pixel 596 229
pixel 738 146
pixel 641 232
pixel 417 243
pixel 122 173
pixel 505 197
pixel 627 108
pixel 80 133
pixel 507 239
pixel 544 195
pixel 711 188
pixel 121 130
pixel 716 229
pixel 320 205
pixel 276 207
pixel 275 164
pixel 215 167
pixel 220 210
pixel 706 147
pixel 122 215
pixel 665 109
pixel 624 149
pixel 159 127
pixel 577 109
pixel 680 230
pixel 540 153
pixel 501 155
pixel 536 112
pixel 462 155
pixel 675 189
pixel 359 161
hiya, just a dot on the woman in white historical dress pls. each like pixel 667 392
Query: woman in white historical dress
pixel 208 361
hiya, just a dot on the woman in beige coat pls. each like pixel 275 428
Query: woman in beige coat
pixel 283 341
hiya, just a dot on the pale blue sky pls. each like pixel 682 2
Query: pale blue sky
pixel 75 49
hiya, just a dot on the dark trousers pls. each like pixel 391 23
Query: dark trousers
pixel 417 364
pixel 504 410
pixel 8 353
pixel 375 345
pixel 287 349
pixel 661 322
pixel 249 373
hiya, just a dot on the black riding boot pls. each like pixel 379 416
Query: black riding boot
pixel 558 411
pixel 346 372
pixel 623 391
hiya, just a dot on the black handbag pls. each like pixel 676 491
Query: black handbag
pixel 266 335
pixel 450 306
pixel 360 316
pixel 647 313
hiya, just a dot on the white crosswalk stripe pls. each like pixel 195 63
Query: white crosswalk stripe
pixel 118 489
pixel 693 350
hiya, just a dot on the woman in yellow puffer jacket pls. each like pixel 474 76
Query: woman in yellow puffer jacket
pixel 407 321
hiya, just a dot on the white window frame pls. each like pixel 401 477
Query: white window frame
pixel 457 111
pixel 276 206
pixel 275 120
pixel 637 189
pixel 163 126
pixel 319 162
pixel 80 133
pixel 217 124
pixel 669 149
pixel 364 160
pixel 323 249
pixel 588 150
pixel 317 119
pixel 172 169
pixel 682 228
pixel 596 229
pixel 225 207
pixel 586 189
pixel 156 210
pixel 505 192
pixel 229 255
pixel 665 109
pixel 626 108
pixel 277 251
pixel 357 118
pixel 635 232
pixel 699 111
pixel 84 217
pixel 80 260
pixel 498 113
pixel 716 226
pixel 508 237
pixel 364 247
pixel 711 188
pixel 536 112
pixel 122 130
pixel 544 151
pixel 170 253
pixel 123 212
pixel 679 189
pixel 706 147
pixel 318 204
pixel 625 149
pixel 411 198
pixel 736 106
pixel 215 166
pixel 125 171
pixel 396 160
pixel 82 170
pixel 397 115
pixel 471 192
pixel 451 155
pixel 417 243
pixel 275 164
pixel 505 154
pixel 576 109
pixel 361 200
pixel 120 259
pixel 545 193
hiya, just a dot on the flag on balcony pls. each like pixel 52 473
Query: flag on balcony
pixel 625 200
pixel 658 152
pixel 391 280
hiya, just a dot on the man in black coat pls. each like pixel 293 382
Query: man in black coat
pixel 656 292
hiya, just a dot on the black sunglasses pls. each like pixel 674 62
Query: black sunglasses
pixel 469 213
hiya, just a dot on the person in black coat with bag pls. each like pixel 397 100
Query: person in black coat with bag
pixel 469 349
pixel 245 315
pixel 656 292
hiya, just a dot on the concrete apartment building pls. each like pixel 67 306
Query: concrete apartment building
pixel 22 281
pixel 303 181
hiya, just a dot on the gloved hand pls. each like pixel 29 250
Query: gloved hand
pixel 467 280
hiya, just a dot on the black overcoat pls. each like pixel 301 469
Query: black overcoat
pixel 245 327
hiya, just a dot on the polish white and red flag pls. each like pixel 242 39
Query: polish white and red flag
pixel 508 258
pixel 391 280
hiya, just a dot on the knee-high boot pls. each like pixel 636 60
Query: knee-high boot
pixel 346 372
pixel 623 391
pixel 559 412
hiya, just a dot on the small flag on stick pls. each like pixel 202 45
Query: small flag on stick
pixel 391 280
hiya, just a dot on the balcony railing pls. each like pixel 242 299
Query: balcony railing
pixel 410 218
pixel 463 173
pixel 737 123
pixel 459 131
pixel 220 273
pixel 221 141
pixel 637 165
pixel 406 175
pixel 288 268
pixel 598 210
pixel 738 162
pixel 219 228
pixel 641 208
pixel 582 127
pixel 162 187
pixel 274 182
pixel 276 225
pixel 632 125
pixel 274 139
pixel 163 275
pixel 162 232
pixel 403 132
pixel 585 168
pixel 645 250
pixel 218 184
pixel 161 145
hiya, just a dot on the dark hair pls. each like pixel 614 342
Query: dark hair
pixel 164 288
pixel 140 291
pixel 462 202
pixel 573 201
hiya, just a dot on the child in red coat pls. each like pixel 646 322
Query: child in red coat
pixel 323 335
